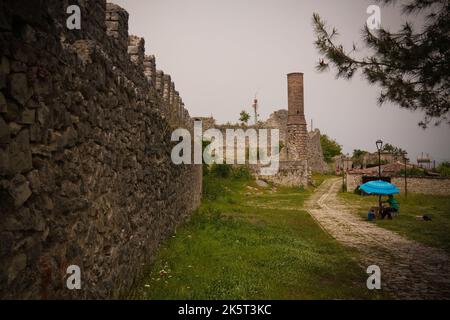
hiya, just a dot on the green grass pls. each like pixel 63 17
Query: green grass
pixel 434 233
pixel 319 178
pixel 246 242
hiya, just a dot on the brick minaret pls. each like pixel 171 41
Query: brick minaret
pixel 297 134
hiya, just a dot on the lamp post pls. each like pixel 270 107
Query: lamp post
pixel 406 180
pixel 379 144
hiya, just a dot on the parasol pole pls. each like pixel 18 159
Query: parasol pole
pixel 379 144
pixel 379 204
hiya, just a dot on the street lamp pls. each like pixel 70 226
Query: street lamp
pixel 379 144
pixel 405 158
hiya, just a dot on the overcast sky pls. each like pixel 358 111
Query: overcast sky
pixel 220 53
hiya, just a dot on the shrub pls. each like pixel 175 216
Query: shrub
pixel 444 169
pixel 413 172
pixel 242 172
pixel 220 170
pixel 330 148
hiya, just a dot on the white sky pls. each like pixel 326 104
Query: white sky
pixel 221 52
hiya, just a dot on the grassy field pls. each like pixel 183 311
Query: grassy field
pixel 319 178
pixel 435 233
pixel 248 242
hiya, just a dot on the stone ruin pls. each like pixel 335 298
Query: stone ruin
pixel 85 171
pixel 316 162
pixel 302 152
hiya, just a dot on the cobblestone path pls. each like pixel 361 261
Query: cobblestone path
pixel 409 270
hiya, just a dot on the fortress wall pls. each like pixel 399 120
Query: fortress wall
pixel 85 171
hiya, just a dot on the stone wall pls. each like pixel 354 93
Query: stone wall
pixel 290 174
pixel 278 120
pixel 424 185
pixel 316 160
pixel 85 171
pixel 352 181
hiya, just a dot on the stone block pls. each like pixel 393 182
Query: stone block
pixel 19 190
pixel 16 266
pixel 18 66
pixel 5 67
pixel 20 153
pixel 43 115
pixel 5 135
pixel 12 111
pixel 35 182
pixel 28 34
pixel 3 105
pixel 113 25
pixel 18 88
pixel 133 50
pixel 4 71
pixel 2 80
pixel 14 128
pixel 4 160
pixel 28 116
pixel 25 220
pixel 36 133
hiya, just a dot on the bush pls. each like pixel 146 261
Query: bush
pixel 242 172
pixel 330 148
pixel 444 169
pixel 413 172
pixel 220 170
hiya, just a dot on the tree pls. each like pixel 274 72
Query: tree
pixel 330 148
pixel 393 149
pixel 357 153
pixel 412 69
pixel 244 117
pixel 358 156
pixel 388 148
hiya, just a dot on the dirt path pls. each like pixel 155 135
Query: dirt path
pixel 409 270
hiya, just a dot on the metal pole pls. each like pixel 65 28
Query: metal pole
pixel 379 164
pixel 406 180
pixel 379 177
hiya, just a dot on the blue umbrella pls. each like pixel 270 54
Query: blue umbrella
pixel 380 188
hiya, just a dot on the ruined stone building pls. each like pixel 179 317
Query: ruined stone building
pixel 300 144
pixel 86 176
pixel 301 150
